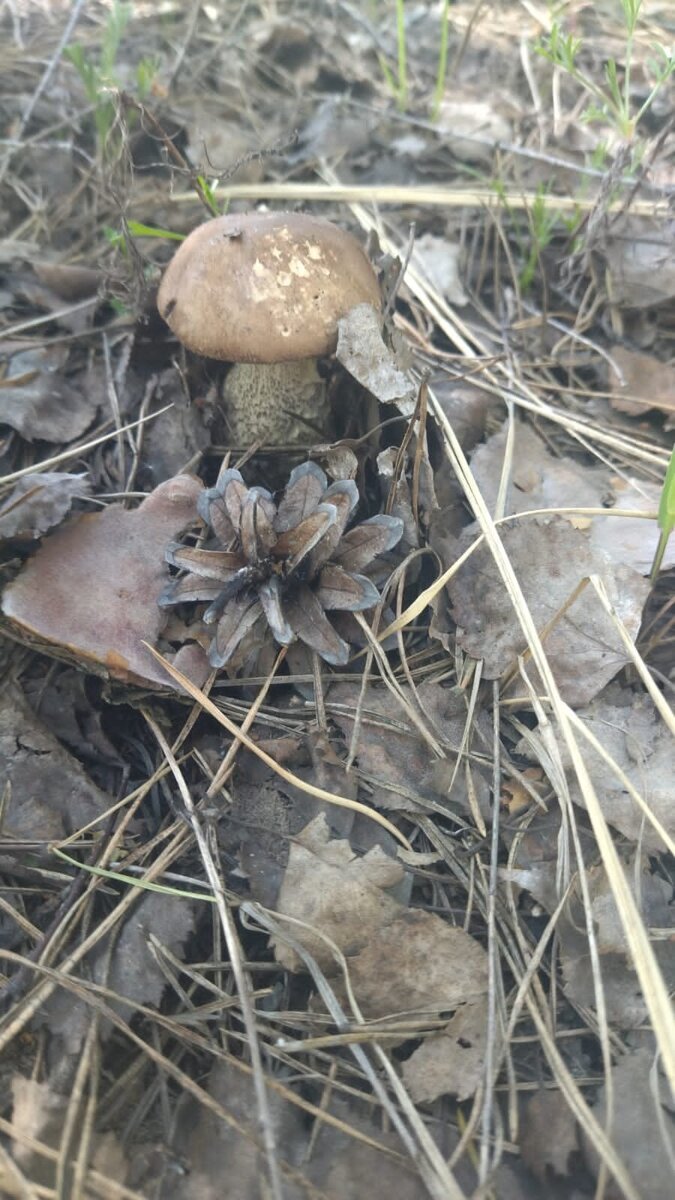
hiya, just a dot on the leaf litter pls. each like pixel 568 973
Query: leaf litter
pixel 330 1012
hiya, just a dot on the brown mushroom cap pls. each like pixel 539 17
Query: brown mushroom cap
pixel 264 287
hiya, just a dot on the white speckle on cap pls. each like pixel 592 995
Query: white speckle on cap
pixel 298 267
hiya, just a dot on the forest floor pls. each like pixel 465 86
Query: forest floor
pixel 376 902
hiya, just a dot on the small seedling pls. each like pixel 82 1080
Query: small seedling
pixel 666 517
pixel 397 81
pixel 611 101
pixel 98 76
pixel 543 221
pixel 398 85
pixel 442 67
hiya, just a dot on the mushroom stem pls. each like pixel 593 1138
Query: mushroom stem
pixel 277 403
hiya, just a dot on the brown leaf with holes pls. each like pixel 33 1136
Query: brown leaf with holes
pixel 90 592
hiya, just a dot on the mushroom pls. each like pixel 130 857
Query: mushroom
pixel 265 291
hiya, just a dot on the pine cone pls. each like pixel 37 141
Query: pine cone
pixel 284 565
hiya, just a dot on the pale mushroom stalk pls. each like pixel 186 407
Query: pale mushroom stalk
pixel 276 402
pixel 265 291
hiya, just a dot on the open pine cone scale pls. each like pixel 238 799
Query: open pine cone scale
pixel 284 565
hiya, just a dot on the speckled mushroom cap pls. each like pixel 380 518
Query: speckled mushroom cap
pixel 264 287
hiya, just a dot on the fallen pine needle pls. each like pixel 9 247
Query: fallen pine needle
pixel 234 730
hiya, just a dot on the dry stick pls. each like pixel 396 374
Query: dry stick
pixel 493 952
pixel 11 1176
pixel 440 197
pixel 115 406
pixel 158 132
pixel 46 76
pixel 241 977
pixel 74 1125
pixel 295 780
pixel 47 318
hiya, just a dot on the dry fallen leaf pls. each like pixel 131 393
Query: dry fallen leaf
pixel 646 382
pixel 642 1126
pixel 177 436
pixel 451 1062
pixel 73 714
pixel 39 1114
pixel 125 963
pixel 473 128
pixel 393 757
pixel 344 896
pixel 38 502
pixel 90 593
pixel 223 1160
pixel 550 559
pixel 635 737
pixel 37 400
pixel 363 353
pixel 548 1135
pixel 626 1007
pixel 540 479
pixel 632 540
pixel 438 260
pixel 639 261
pixel 418 963
pixel 49 796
